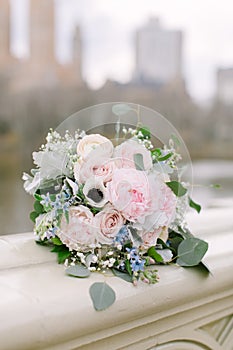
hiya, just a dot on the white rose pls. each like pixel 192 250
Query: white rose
pixel 94 144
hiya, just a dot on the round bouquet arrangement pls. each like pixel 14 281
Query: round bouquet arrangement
pixel 111 188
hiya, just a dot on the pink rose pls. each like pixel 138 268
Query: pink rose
pixel 79 232
pixel 130 193
pixel 126 151
pixel 99 167
pixel 108 223
pixel 94 142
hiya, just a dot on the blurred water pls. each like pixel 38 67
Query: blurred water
pixel 15 204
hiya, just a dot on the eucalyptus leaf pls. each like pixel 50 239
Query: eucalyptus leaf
pixel 154 255
pixel 62 253
pixel 194 205
pixel 56 240
pixel 177 188
pixel 78 271
pixel 123 275
pixel 138 161
pixel 191 251
pixel 33 216
pixel 102 295
pixel 38 207
pixel 121 109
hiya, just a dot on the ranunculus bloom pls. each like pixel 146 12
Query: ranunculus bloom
pixel 79 232
pixel 130 193
pixel 100 167
pixel 95 192
pixel 97 143
pixel 125 153
pixel 108 223
pixel 150 238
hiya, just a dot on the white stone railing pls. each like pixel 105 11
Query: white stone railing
pixel 42 308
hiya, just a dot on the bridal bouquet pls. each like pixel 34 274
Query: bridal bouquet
pixel 103 205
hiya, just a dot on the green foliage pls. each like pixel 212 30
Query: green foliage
pixel 145 131
pixel 33 215
pixel 191 251
pixel 167 156
pixel 215 186
pixel 37 197
pixel 175 239
pixel 102 295
pixel 38 207
pixel 138 161
pixel 194 205
pixel 56 240
pixel 62 253
pixel 128 267
pixel 123 275
pixel 177 188
pixel 78 271
pixel 154 255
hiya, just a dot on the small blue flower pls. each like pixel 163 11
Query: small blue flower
pixel 136 263
pixel 45 200
pixel 51 232
pixel 122 236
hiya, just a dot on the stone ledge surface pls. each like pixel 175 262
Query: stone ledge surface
pixel 42 308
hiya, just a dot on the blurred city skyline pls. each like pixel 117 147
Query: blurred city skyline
pixel 108 32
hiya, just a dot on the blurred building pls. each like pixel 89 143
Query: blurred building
pixel 158 54
pixel 41 69
pixel 5 55
pixel 225 85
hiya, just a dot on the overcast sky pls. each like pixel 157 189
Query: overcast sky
pixel 108 30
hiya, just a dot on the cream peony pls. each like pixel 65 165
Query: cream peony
pixel 79 232
pixel 95 144
pixel 108 223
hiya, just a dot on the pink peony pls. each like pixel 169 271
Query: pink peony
pixel 79 232
pixel 108 223
pixel 126 151
pixel 163 206
pixel 130 193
